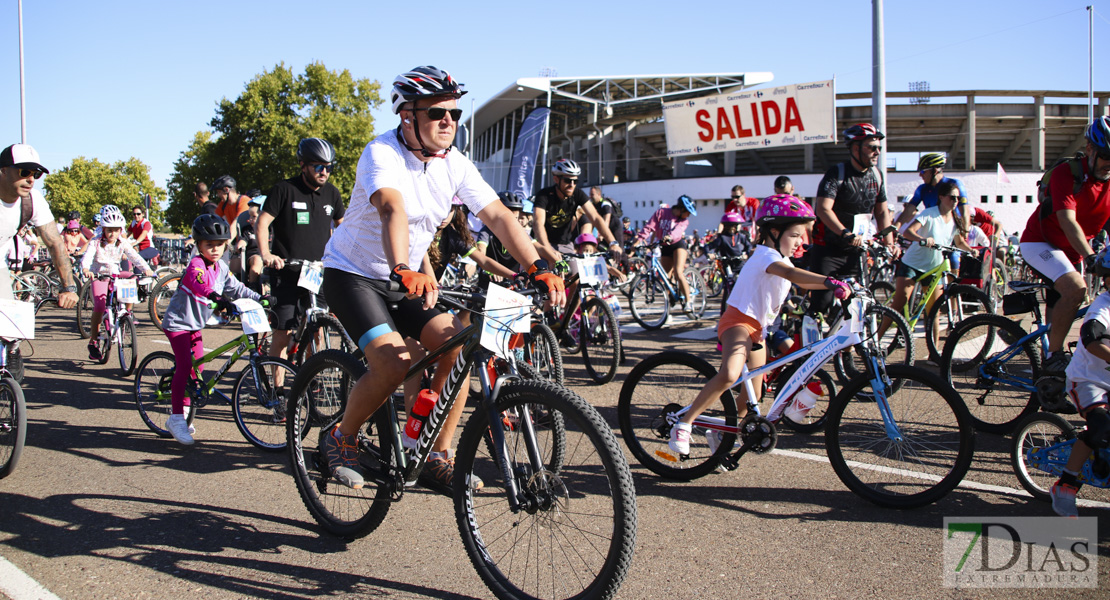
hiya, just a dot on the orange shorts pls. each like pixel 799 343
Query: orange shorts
pixel 734 318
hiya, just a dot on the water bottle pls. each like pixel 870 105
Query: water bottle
pixel 804 401
pixel 420 411
pixel 810 332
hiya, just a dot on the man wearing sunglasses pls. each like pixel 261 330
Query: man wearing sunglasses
pixel 21 203
pixel 931 169
pixel 231 203
pixel 848 196
pixel 301 213
pixel 555 208
pixel 141 232
pixel 405 184
pixel 1058 234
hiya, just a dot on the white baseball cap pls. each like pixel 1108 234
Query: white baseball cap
pixel 21 155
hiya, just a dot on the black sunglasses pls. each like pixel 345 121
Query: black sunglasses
pixel 436 113
pixel 737 197
pixel 569 180
pixel 1103 154
pixel 321 168
pixel 25 173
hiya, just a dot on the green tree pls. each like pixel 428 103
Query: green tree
pixel 88 184
pixel 254 137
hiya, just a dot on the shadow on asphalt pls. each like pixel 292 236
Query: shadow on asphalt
pixel 189 541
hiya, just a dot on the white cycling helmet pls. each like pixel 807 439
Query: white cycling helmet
pixel 110 216
pixel 565 167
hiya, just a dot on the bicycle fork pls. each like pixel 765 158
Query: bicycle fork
pixel 881 386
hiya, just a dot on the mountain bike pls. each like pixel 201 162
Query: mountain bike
pixel 17 321
pixel 316 329
pixel 257 405
pixel 117 327
pixel 995 365
pixel 556 517
pixel 895 435
pixel 652 292
pixel 589 322
pixel 1040 450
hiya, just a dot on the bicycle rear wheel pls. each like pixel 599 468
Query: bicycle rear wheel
pixel 576 533
pixel 13 425
pixel 259 403
pixel 323 333
pixel 128 345
pixel 541 351
pixel 601 340
pixel 650 398
pixel 649 301
pixel 814 420
pixel 698 294
pixel 998 393
pixel 160 295
pixel 1036 455
pixel 926 460
pixel 326 379
pixel 152 391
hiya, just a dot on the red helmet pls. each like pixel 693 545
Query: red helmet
pixel 861 132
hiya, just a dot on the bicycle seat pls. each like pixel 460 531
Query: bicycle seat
pixel 1028 287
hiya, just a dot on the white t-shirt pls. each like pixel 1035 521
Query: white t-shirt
pixel 9 215
pixel 1085 366
pixel 427 188
pixel 757 293
pixel 977 238
pixel 932 226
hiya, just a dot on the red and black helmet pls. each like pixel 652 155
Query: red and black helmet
pixel 861 132
pixel 423 82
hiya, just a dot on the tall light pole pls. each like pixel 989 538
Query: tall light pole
pixel 22 95
pixel 1091 63
pixel 878 77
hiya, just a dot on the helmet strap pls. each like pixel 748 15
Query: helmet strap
pixel 423 150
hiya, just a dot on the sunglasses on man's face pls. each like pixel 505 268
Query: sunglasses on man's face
pixel 737 197
pixel 436 113
pixel 569 181
pixel 25 173
pixel 1102 154
pixel 321 168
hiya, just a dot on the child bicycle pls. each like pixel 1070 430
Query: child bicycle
pixel 588 322
pixel 118 325
pixel 556 485
pixel 258 407
pixel 895 435
pixel 1040 450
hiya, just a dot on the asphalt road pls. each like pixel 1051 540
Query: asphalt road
pixel 99 507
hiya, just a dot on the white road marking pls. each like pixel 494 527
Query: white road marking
pixel 17 585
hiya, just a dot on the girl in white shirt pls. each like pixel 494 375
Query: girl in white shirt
pixel 103 255
pixel 761 287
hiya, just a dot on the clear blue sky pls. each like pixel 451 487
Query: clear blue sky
pixel 116 79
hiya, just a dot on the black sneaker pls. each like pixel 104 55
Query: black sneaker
pixel 94 351
pixel 1056 364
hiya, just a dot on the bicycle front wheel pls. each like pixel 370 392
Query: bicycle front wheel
pixel 326 379
pixel 994 378
pixel 958 302
pixel 1038 453
pixel 13 425
pixel 85 310
pixel 913 461
pixel 896 344
pixel 695 304
pixel 160 295
pixel 601 340
pixel 128 345
pixel 259 401
pixel 650 399
pixel 323 333
pixel 541 351
pixel 576 530
pixel 649 301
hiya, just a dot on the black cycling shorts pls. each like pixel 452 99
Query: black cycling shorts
pixel 290 300
pixel 368 310
pixel 668 249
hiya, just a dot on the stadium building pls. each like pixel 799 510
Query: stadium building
pixel 613 127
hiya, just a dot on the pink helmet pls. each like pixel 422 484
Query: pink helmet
pixel 585 238
pixel 73 224
pixel 732 218
pixel 783 209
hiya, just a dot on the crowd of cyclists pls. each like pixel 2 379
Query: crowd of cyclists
pixel 418 206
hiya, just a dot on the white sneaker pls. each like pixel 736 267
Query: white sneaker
pixel 680 438
pixel 713 438
pixel 179 429
pixel 192 428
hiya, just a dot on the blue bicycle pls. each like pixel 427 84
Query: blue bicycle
pixel 995 365
pixel 652 293
pixel 1040 450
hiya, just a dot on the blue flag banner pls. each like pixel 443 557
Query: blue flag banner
pixel 522 169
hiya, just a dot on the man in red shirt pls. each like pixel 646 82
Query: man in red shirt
pixel 1057 236
pixel 986 221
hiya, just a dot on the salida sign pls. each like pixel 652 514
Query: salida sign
pixel 803 113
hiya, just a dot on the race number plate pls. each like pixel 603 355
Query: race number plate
pixel 507 312
pixel 127 291
pixel 17 320
pixel 252 316
pixel 312 276
pixel 591 270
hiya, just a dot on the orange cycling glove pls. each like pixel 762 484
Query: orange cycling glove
pixel 544 279
pixel 414 282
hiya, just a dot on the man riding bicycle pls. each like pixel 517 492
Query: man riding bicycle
pixel 404 185
pixel 1057 235
pixel 847 197
pixel 554 208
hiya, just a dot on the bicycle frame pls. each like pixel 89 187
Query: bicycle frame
pixel 1054 458
pixel 1040 334
pixel 242 345
pixel 933 276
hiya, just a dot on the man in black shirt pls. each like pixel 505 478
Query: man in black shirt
pixel 848 196
pixel 555 207
pixel 301 210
